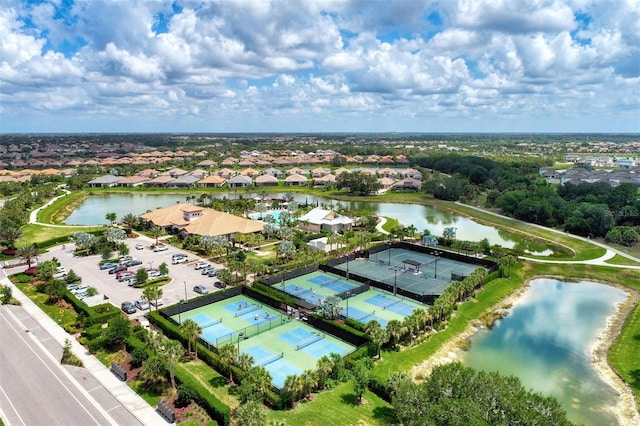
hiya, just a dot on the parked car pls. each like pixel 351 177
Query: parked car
pixel 108 265
pixel 155 274
pixel 177 255
pixel 133 262
pixel 122 272
pixel 126 276
pixel 177 260
pixel 213 272
pixel 158 302
pixel 128 307
pixel 206 271
pixel 200 289
pixel 139 246
pixel 142 305
pixel 117 268
pixel 220 284
pixel 79 290
pixel 61 272
pixel 131 281
pixel 201 265
pixel 160 248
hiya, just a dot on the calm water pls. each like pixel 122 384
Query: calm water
pixel 547 341
pixel 94 209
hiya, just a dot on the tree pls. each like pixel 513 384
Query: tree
pixel 377 335
pixel 156 232
pixel 28 253
pixel 324 367
pixel 287 249
pixel 173 351
pixel 394 331
pixel 309 381
pixel 261 379
pixel 84 241
pixel 123 249
pixel 251 413
pixel 192 331
pixel 163 268
pixel 111 217
pixel 507 262
pixel 113 235
pixel 228 354
pixel 153 370
pixel 358 183
pixel 55 289
pixel 245 361
pixel 329 307
pixel 360 378
pixel 152 294
pixel 129 220
pixel 118 331
pixel 9 232
pixel 142 275
pixel 293 387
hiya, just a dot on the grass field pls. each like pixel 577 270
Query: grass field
pixel 38 233
pixel 66 317
pixel 621 260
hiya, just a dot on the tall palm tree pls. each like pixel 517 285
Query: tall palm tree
pixel 9 233
pixel 192 330
pixel 377 334
pixel 152 293
pixel 156 232
pixel 173 351
pixel 28 253
pixel 394 330
pixel 324 367
pixel 245 361
pixel 228 354
pixel 309 381
pixel 261 379
pixel 129 220
pixel 155 341
pixel 293 386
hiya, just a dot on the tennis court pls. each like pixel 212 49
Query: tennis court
pixel 418 273
pixel 378 305
pixel 280 344
pixel 315 286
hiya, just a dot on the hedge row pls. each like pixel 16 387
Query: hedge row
pixel 218 411
pixel 97 314
pixel 153 281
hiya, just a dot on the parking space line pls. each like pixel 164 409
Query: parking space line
pixel 91 390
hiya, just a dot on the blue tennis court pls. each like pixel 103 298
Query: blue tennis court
pixel 216 331
pixel 322 347
pixel 335 284
pixel 280 370
pixel 306 294
pixel 362 316
pixel 261 356
pixel 391 304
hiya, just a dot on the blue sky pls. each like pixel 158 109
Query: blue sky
pixel 320 66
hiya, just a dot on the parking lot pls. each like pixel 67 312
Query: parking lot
pixel 183 275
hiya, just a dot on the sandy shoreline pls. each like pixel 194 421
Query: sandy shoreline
pixel 625 410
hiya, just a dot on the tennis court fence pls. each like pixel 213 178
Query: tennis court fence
pixel 265 324
pixel 355 291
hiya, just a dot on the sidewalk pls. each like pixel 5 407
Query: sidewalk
pixel 137 406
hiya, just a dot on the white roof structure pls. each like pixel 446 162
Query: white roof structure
pixel 320 216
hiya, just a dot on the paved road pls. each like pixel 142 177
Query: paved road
pixel 35 389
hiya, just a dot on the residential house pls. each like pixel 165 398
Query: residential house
pixel 273 172
pixel 186 181
pixel 160 181
pixel 295 180
pixel 408 183
pixel 213 181
pixel 239 181
pixel 266 180
pixel 320 219
pixel 133 181
pixel 106 181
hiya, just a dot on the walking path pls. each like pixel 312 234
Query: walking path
pixel 601 261
pixel 380 224
pixel 137 406
pixel 33 217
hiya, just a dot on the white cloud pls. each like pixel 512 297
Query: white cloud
pixel 319 61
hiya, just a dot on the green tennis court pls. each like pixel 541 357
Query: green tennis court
pixel 415 272
pixel 282 345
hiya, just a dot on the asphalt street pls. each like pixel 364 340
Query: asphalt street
pixel 35 389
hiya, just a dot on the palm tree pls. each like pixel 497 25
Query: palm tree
pixel 156 232
pixel 293 386
pixel 9 233
pixel 377 334
pixel 228 354
pixel 192 330
pixel 251 413
pixel 394 330
pixel 155 340
pixel 324 367
pixel 152 294
pixel 507 261
pixel 28 253
pixel 261 379
pixel 152 370
pixel 173 351
pixel 129 220
pixel 309 380
pixel 245 361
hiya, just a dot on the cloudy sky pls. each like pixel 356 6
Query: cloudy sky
pixel 320 66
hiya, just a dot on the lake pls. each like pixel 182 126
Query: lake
pixel 93 210
pixel 547 341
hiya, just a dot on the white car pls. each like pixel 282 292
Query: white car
pixel 139 246
pixel 160 248
pixel 141 304
pixel 200 265
pixel 177 260
pixel 157 303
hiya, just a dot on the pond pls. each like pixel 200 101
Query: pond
pixel 547 342
pixel 93 211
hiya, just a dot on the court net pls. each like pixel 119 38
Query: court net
pixel 210 323
pixel 272 359
pixel 310 341
pixel 247 310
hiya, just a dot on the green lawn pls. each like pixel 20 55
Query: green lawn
pixel 621 260
pixel 67 318
pixel 38 233
pixel 337 407
pixel 624 355
pixel 210 379
pixel 390 224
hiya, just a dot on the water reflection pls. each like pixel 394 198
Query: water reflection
pixel 94 209
pixel 547 340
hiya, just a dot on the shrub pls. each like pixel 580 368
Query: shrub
pixel 9 252
pixel 185 394
pixel 31 271
pixel 96 344
pixel 138 356
pixel 212 405
pixel 23 279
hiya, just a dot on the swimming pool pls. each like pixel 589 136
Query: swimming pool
pixel 260 216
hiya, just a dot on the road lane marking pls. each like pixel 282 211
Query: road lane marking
pixel 18 323
pixel 12 406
